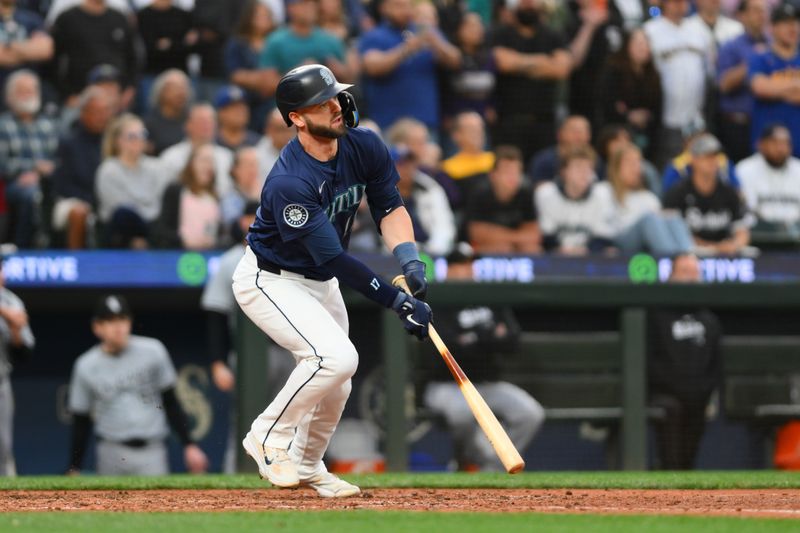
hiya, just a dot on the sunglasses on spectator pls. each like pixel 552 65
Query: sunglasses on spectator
pixel 140 135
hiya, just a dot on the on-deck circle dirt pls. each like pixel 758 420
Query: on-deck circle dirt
pixel 763 503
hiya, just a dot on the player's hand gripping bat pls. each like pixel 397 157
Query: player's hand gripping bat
pixel 508 454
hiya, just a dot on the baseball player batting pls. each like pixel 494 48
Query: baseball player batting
pixel 287 283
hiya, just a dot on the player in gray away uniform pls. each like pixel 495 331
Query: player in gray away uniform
pixel 16 342
pixel 125 385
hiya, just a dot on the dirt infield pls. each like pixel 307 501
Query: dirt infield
pixel 764 503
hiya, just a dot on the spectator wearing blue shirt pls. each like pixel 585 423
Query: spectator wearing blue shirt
pixel 242 54
pixel 78 158
pixel 399 59
pixel 25 41
pixel 774 77
pixel 300 42
pixel 736 101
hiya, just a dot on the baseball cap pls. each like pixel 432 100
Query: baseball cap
pixel 705 144
pixel 784 12
pixel 104 72
pixel 775 131
pixel 112 306
pixel 230 94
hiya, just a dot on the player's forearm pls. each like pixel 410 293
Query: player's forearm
pixel 361 278
pixel 396 228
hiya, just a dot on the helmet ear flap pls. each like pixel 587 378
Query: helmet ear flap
pixel 349 109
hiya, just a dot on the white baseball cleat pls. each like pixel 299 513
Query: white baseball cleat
pixel 329 486
pixel 273 463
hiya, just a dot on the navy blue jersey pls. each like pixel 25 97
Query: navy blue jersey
pixel 302 194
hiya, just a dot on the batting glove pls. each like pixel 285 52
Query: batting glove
pixel 415 314
pixel 414 272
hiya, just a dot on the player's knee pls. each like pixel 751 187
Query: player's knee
pixel 529 415
pixel 343 362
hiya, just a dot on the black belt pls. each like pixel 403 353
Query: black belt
pixel 130 443
pixel 737 118
pixel 275 269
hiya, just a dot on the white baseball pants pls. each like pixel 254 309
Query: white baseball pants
pixel 309 319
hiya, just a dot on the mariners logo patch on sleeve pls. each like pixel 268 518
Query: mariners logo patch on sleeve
pixel 295 215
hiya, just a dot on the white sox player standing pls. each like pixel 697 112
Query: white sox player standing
pixel 287 283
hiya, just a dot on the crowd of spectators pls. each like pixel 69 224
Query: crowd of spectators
pixel 521 126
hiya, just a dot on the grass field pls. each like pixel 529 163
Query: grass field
pixel 759 479
pixel 357 520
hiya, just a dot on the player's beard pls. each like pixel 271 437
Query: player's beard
pixel 327 132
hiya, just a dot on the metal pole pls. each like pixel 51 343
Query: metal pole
pixel 634 419
pixel 251 380
pixel 395 364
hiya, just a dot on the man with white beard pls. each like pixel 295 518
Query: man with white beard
pixel 28 143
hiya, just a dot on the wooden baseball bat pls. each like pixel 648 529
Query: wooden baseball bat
pixel 508 454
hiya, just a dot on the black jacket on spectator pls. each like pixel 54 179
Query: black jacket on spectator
pixel 77 160
pixel 167 225
pixel 215 21
pixel 172 24
pixel 83 41
pixel 525 106
pixel 607 38
pixel 712 218
pixel 622 89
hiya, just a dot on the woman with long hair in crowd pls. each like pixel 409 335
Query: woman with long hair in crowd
pixel 638 221
pixel 128 185
pixel 241 59
pixel 190 215
pixel 470 87
pixel 630 91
